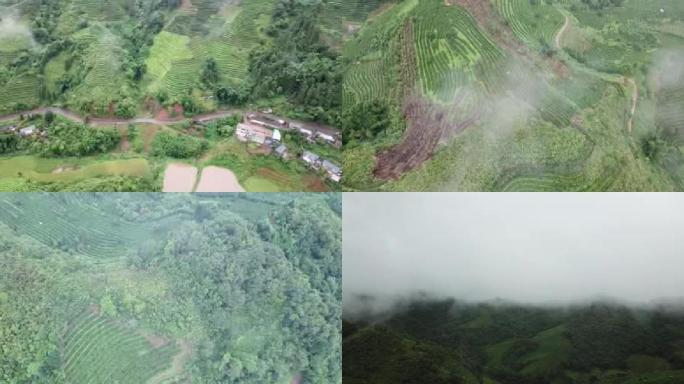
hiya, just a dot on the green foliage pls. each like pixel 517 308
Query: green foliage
pixel 175 288
pixel 69 139
pixel 512 344
pixel 177 146
pixel 296 65
pixel 365 120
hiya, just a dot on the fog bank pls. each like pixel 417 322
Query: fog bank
pixel 527 248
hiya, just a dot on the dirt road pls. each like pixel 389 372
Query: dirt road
pixel 97 121
pixel 560 33
pixel 635 101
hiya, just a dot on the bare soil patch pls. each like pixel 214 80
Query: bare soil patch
pixel 179 178
pixel 156 341
pixel 65 168
pixel 273 175
pixel 216 179
pixel 315 184
pixel 427 124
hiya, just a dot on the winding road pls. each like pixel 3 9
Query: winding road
pixel 97 121
pixel 560 33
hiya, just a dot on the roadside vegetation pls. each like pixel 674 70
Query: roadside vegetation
pixel 166 61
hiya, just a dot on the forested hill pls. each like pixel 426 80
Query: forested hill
pixel 144 288
pixel 453 342
pixel 124 57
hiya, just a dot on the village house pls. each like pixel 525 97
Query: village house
pixel 267 121
pixel 28 131
pixel 254 133
pixel 334 172
pixel 312 159
pixel 325 137
pixel 282 152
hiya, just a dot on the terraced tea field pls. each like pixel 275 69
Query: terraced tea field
pixel 88 230
pixel 97 349
pixel 505 70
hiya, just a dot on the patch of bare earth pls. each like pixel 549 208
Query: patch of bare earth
pixel 426 122
pixel 216 179
pixel 179 178
pixel 156 341
pixel 315 184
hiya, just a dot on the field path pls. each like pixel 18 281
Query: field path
pixel 560 33
pixel 635 101
pixel 97 121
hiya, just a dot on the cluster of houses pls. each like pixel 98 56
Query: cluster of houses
pixel 265 129
pixel 23 132
pixel 314 161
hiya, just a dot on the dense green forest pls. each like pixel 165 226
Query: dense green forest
pixel 149 288
pixel 447 341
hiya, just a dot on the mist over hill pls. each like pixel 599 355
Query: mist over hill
pixel 512 288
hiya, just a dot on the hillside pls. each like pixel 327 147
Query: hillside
pixel 498 343
pixel 143 288
pixel 515 95
pixel 149 68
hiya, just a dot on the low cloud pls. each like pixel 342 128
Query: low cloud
pixel 12 27
pixel 528 248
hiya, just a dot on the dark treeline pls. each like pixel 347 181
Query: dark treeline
pixel 452 342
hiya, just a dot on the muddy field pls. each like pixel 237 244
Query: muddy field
pixel 179 178
pixel 215 179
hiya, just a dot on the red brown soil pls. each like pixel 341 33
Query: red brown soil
pixel 156 341
pixel 125 144
pixel 273 175
pixel 162 114
pixel 315 184
pixel 148 134
pixel 178 110
pixel 261 150
pixel 426 122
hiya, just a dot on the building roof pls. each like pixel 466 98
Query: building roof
pixel 276 135
pixel 281 149
pixel 331 167
pixel 255 130
pixel 310 156
pixel 28 130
